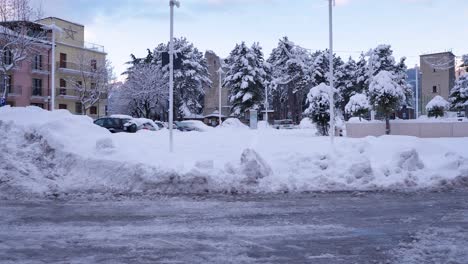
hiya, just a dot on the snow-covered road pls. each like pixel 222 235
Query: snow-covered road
pixel 327 228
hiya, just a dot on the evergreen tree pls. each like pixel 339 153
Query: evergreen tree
pixel 386 95
pixel 459 93
pixel 358 105
pixel 437 107
pixel 246 78
pixel 400 76
pixel 290 66
pixel 361 75
pixel 346 82
pixel 318 100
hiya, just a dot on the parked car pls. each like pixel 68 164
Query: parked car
pixel 192 125
pixel 284 124
pixel 115 124
pixel 136 124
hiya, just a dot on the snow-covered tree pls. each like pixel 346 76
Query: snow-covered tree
pixel 321 67
pixel 437 107
pixel 380 59
pixel 92 83
pixel 146 91
pixel 386 95
pixel 246 78
pixel 362 74
pixel 459 93
pixel 400 76
pixel 290 66
pixel 346 83
pixel 318 100
pixel 358 105
pixel 189 80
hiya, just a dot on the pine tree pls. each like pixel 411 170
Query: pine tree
pixel 362 76
pixel 459 93
pixel 290 66
pixel 246 79
pixel 358 105
pixel 386 95
pixel 400 76
pixel 437 107
pixel 346 82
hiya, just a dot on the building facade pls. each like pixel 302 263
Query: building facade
pixel 211 102
pixel 437 76
pixel 75 60
pixel 28 81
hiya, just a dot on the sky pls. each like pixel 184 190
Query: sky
pixel 411 27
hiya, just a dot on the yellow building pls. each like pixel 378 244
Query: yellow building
pixel 76 64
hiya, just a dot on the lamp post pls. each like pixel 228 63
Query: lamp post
pixel 416 113
pixel 332 92
pixel 172 3
pixel 266 104
pixel 220 76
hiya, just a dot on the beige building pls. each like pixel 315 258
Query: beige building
pixel 437 76
pixel 211 103
pixel 76 63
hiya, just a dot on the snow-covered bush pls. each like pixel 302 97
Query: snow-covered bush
pixel 358 105
pixel 233 123
pixel 437 107
pixel 319 107
pixel 386 95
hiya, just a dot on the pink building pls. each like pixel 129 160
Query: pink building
pixel 29 81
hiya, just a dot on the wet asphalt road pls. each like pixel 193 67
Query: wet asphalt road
pixel 306 228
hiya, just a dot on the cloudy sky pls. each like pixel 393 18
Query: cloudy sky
pixel 412 27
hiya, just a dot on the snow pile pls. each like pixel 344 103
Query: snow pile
pixel 306 123
pixel 58 154
pixel 437 102
pixel 357 120
pixel 233 123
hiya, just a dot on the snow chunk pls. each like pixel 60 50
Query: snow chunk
pixel 254 167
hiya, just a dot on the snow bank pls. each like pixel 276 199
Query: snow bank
pixel 58 154
pixel 233 123
pixel 306 123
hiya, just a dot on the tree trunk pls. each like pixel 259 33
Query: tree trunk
pixel 387 124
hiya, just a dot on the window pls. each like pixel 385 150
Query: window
pixel 38 105
pixel 434 89
pixel 93 86
pixel 79 83
pixel 37 87
pixel 63 106
pixel 93 110
pixel 93 64
pixel 7 57
pixel 63 83
pixel 433 70
pixel 100 122
pixel 37 63
pixel 78 108
pixel 63 60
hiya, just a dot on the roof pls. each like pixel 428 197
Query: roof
pixel 67 21
pixel 438 53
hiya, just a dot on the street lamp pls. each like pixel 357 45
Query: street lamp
pixel 172 3
pixel 416 68
pixel 54 28
pixel 332 92
pixel 220 76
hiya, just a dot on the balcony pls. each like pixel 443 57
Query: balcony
pixel 67 93
pixel 75 68
pixel 41 69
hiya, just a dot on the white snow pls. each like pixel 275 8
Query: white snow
pixel 356 103
pixel 233 123
pixel 306 123
pixel 437 101
pixel 44 153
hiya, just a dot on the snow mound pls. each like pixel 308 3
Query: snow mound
pixel 233 123
pixel 306 123
pixel 57 154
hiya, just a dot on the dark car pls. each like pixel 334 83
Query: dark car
pixel 113 124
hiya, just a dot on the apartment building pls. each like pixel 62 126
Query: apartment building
pixel 28 82
pixel 437 76
pixel 75 60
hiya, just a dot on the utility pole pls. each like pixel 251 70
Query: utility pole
pixel 266 104
pixel 332 92
pixel 416 112
pixel 172 3
pixel 220 76
pixel 54 28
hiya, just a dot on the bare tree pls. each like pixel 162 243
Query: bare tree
pixel 19 38
pixel 91 84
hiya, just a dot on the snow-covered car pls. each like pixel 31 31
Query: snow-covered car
pixel 115 124
pixel 284 124
pixel 192 125
pixel 135 124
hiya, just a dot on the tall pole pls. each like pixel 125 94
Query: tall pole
pixel 52 83
pixel 220 72
pixel 416 112
pixel 171 77
pixel 332 92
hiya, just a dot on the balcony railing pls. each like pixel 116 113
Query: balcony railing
pixel 75 67
pixel 44 68
pixel 66 92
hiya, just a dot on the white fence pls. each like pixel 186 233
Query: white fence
pixel 409 128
